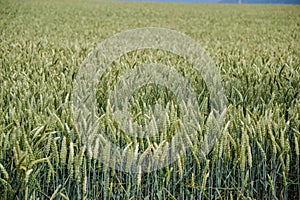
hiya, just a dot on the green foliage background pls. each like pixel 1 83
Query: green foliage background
pixel 256 48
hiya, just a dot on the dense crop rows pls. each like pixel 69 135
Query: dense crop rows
pixel 256 49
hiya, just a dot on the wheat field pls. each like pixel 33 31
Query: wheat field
pixel 255 48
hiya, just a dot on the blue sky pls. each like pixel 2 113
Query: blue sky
pixel 216 1
pixel 197 1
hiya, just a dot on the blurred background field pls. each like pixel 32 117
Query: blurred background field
pixel 255 47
